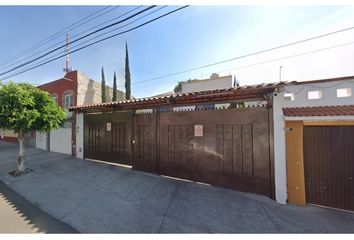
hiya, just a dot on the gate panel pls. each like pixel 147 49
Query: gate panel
pixel 120 138
pixel 95 139
pixel 329 168
pixel 232 151
pixel 108 137
pixel 145 146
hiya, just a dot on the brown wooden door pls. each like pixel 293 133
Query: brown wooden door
pixel 329 166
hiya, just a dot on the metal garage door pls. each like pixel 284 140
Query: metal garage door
pixel 329 166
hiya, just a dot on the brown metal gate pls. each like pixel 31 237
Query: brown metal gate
pixel 108 137
pixel 229 147
pixel 329 166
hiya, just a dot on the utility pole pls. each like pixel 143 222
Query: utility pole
pixel 280 73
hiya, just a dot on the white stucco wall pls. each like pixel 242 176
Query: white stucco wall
pixel 210 84
pixel 60 140
pixel 280 177
pixel 329 94
pixel 80 135
pixel 41 140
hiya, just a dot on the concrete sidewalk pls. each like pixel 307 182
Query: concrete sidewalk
pixel 20 216
pixel 99 198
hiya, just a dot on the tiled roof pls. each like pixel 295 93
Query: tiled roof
pixel 241 92
pixel 343 110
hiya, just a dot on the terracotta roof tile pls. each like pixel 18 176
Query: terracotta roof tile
pixel 343 110
pixel 236 92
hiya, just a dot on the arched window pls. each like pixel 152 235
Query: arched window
pixel 68 99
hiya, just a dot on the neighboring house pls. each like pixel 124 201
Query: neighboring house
pixel 212 83
pixel 314 142
pixel 75 88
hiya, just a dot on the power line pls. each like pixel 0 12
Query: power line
pixel 246 55
pixel 262 62
pixel 82 43
pixel 56 44
pixel 101 40
pixel 85 36
pixel 39 44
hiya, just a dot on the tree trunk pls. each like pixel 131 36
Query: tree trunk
pixel 20 160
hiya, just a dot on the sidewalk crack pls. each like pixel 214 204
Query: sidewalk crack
pixel 168 207
pixel 270 218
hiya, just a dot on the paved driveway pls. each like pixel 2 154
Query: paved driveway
pixel 97 198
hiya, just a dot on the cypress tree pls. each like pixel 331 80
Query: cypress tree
pixel 127 74
pixel 103 87
pixel 114 99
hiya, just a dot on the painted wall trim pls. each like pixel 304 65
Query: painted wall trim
pixel 280 178
pixel 320 118
pixel 295 162
pixel 79 135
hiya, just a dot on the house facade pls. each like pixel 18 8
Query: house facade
pixel 291 141
pixel 314 143
pixel 75 88
pixel 187 136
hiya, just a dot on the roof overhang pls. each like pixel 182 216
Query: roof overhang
pixel 253 92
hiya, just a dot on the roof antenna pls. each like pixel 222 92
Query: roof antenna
pixel 67 68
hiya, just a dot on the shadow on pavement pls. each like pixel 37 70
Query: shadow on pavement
pixel 41 220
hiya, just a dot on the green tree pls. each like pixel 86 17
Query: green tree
pixel 103 87
pixel 114 99
pixel 178 87
pixel 25 108
pixel 127 74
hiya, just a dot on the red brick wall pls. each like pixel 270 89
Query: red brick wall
pixel 59 87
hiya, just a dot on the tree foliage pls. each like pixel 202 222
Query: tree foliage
pixel 103 87
pixel 114 98
pixel 178 87
pixel 127 74
pixel 24 108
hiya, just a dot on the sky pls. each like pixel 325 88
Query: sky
pixel 193 37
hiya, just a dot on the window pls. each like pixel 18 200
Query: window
pixel 289 96
pixel 68 100
pixel 55 98
pixel 312 95
pixel 344 92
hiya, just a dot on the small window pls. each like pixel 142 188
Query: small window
pixel 68 100
pixel 55 98
pixel 344 92
pixel 289 96
pixel 311 95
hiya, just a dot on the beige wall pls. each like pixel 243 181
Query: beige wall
pixel 207 84
pixel 89 91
